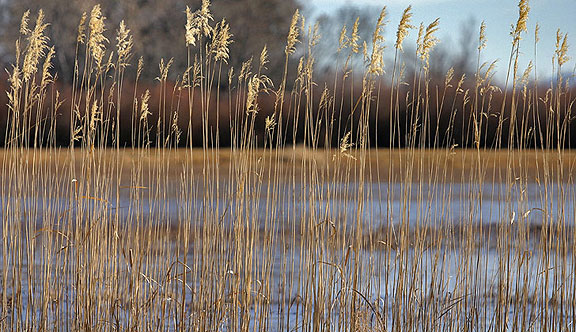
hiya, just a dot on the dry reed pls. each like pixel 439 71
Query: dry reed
pixel 270 235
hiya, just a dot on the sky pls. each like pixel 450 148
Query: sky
pixel 498 15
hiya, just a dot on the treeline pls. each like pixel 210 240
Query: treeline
pixel 418 102
pixel 451 116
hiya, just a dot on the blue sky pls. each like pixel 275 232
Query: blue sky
pixel 498 15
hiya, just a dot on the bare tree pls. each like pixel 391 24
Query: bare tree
pixel 157 27
pixel 331 26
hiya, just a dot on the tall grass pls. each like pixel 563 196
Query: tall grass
pixel 275 233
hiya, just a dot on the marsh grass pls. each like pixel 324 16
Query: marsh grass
pixel 274 233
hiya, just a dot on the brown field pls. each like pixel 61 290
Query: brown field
pixel 459 163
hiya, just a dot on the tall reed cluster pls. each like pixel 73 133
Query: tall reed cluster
pixel 274 233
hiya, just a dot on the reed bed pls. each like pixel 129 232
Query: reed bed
pixel 275 233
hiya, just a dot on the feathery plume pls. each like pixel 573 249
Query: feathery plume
pixel 270 122
pixel 245 70
pixel 325 98
pixel 139 67
pixel 377 36
pixel 164 68
pixel 403 27
pixel 427 41
pixel 46 76
pixel 191 30
pixel 526 75
pixel 198 23
pixel 37 45
pixel 460 83
pixel 96 38
pixel 81 39
pixel 14 78
pixel 124 44
pixel 561 48
pixel 420 36
pixel 345 145
pixel 24 23
pixel 523 10
pixel 196 72
pixel 205 17
pixel 264 57
pixel 342 41
pixel 144 108
pixel 175 128
pixel 449 77
pixel 377 60
pixel 252 98
pixel 314 35
pixel 94 116
pixel 488 74
pixel 230 76
pixel 15 86
pixel 355 36
pixel 222 40
pixel 293 34
pixel 482 37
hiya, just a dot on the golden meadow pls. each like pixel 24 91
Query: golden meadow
pixel 278 233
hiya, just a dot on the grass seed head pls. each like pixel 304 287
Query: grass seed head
pixel 343 40
pixel 198 23
pixel 355 37
pixel 94 116
pixel 270 122
pixel 245 70
pixel 47 77
pixel 81 38
pixel 526 75
pixel 403 27
pixel 482 37
pixel 164 68
pixel 376 66
pixel 203 19
pixel 140 67
pixel 144 107
pixel 264 57
pixel 449 77
pixel 377 36
pixel 24 23
pixel 523 11
pixel 96 38
pixel 293 34
pixel 252 98
pixel 222 39
pixel 427 40
pixel 124 44
pixel 191 30
pixel 37 45
pixel 561 48
pixel 346 145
